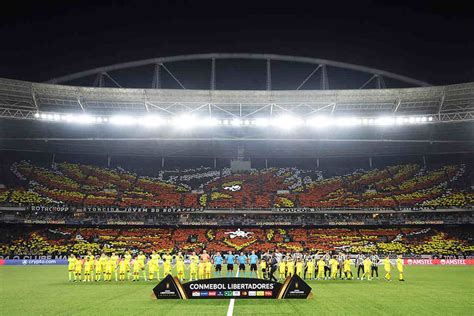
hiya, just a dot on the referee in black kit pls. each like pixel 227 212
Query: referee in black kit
pixel 273 268
pixel 359 262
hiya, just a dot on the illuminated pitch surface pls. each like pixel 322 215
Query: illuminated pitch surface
pixel 433 290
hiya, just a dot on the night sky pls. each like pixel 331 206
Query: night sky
pixel 431 41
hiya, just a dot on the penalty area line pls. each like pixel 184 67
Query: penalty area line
pixel 230 310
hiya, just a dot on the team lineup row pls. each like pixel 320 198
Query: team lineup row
pixel 307 266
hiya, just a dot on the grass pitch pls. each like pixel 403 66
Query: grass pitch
pixel 428 290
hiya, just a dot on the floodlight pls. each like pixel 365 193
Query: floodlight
pixel 184 121
pixel 37 115
pixel 319 121
pixel 349 121
pixel 151 121
pixel 262 122
pixel 123 120
pixel 385 121
pixel 236 122
pixel 84 119
pixel 287 122
pixel 209 121
pixel 69 118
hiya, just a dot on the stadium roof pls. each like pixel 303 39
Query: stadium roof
pixel 20 99
pixel 21 103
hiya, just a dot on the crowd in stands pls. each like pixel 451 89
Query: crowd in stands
pixel 393 187
pixel 61 240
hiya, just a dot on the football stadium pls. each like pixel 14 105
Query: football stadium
pixel 172 196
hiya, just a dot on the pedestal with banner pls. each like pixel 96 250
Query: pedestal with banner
pixel 240 288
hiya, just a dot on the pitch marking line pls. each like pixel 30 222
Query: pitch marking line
pixel 230 310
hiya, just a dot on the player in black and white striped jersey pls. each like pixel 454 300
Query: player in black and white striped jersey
pixel 375 265
pixel 327 269
pixel 359 263
pixel 340 261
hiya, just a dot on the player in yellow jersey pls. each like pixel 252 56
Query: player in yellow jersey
pixel 282 269
pixel 387 265
pixel 194 258
pixel 122 269
pixel 400 268
pixel 347 268
pixel 114 259
pixel 290 267
pixel 98 269
pixel 299 268
pixel 71 263
pixel 141 261
pixel 208 269
pixel 127 257
pixel 193 266
pixel 310 269
pixel 104 260
pixel 90 257
pixel 334 265
pixel 367 268
pixel 154 259
pixel 88 268
pixel 136 269
pixel 167 258
pixel 321 267
pixel 152 265
pixel 263 269
pixel 94 261
pixel 180 266
pixel 109 267
pixel 201 270
pixel 77 269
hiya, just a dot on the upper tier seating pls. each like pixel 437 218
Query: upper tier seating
pixel 399 186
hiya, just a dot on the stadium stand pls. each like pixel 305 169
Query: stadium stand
pixel 407 240
pixel 392 187
pixel 70 207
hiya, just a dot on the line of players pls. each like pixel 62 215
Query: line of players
pixel 315 266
